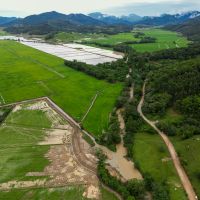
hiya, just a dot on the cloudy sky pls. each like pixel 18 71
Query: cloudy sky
pixel 117 7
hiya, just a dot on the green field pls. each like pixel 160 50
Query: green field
pixel 187 149
pixel 69 193
pixel 149 150
pixel 2 33
pixel 115 39
pixel 72 37
pixel 189 153
pixel 164 40
pixel 27 73
pixel 20 154
pixel 18 150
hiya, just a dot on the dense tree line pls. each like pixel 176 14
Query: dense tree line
pixel 173 83
pixel 111 136
pixel 112 72
pixel 191 51
pixel 131 190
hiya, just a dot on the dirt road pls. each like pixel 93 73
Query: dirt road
pixel 180 170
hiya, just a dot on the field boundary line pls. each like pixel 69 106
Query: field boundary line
pixel 46 67
pixel 90 107
pixel 3 100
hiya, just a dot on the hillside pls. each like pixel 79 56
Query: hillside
pixel 167 19
pixel 190 29
pixel 5 20
pixel 54 22
pixel 111 19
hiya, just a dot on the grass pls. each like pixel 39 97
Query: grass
pixel 72 37
pixel 88 140
pixel 116 39
pixel 165 40
pixel 69 193
pixel 2 33
pixel 106 195
pixel 20 154
pixel 27 73
pixel 18 151
pixel 149 150
pixel 189 153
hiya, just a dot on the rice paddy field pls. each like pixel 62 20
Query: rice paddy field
pixel 27 73
pixel 164 40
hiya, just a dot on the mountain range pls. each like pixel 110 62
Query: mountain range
pixel 190 28
pixel 111 19
pixel 54 21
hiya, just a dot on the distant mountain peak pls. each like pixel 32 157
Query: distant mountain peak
pixel 111 19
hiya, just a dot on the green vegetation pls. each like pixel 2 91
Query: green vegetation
pixel 107 195
pixel 190 28
pixel 150 154
pixel 163 40
pixel 188 151
pixel 115 39
pixel 72 37
pixel 129 190
pixel 88 140
pixel 172 98
pixel 27 73
pixel 69 193
pixel 2 33
pixel 18 151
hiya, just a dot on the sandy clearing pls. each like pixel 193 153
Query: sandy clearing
pixel 92 192
pixel 56 136
pixel 22 184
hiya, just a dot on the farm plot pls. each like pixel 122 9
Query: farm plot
pixel 37 153
pixel 164 40
pixel 27 73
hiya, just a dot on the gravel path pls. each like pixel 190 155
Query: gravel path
pixel 180 170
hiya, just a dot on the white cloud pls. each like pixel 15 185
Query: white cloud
pixel 24 7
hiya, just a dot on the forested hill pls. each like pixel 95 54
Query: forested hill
pixel 5 20
pixel 173 82
pixel 54 22
pixel 191 29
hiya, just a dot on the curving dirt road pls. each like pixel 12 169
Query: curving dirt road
pixel 180 170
